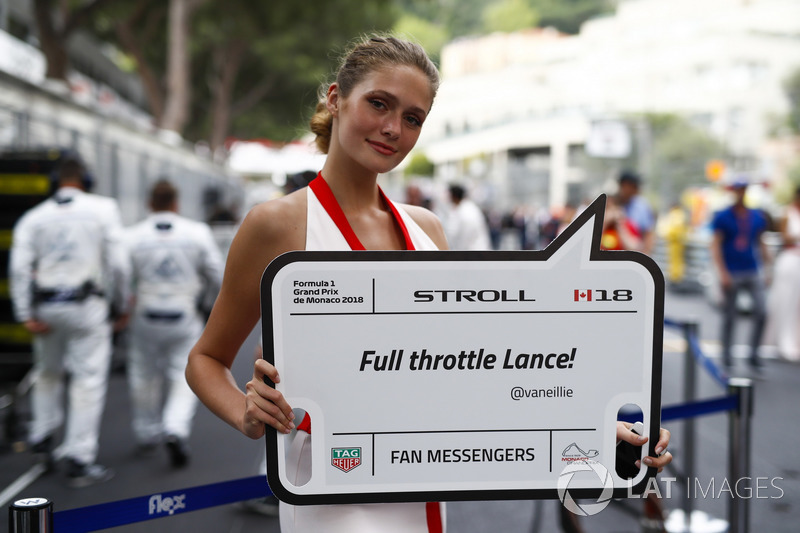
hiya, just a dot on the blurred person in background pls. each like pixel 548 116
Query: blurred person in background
pixel 783 305
pixel 466 226
pixel 675 232
pixel 551 223
pixel 416 196
pixel 68 269
pixel 567 215
pixel 619 231
pixel 636 210
pixel 176 266
pixel 738 253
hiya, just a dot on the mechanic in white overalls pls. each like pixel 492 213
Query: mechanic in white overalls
pixel 67 266
pixel 176 265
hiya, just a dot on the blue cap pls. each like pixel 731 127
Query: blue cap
pixel 739 183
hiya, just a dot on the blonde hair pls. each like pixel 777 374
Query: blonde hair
pixel 369 54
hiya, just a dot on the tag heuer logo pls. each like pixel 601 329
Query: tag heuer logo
pixel 345 459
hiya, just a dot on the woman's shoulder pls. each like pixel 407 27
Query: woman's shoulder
pixel 429 222
pixel 281 221
pixel 293 204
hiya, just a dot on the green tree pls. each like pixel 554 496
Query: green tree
pixel 568 15
pixel 794 175
pixel 509 16
pixel 274 88
pixel 465 17
pixel 156 35
pixel 430 35
pixel 419 165
pixel 792 89
pixel 458 17
pixel 177 104
pixel 680 152
pixel 249 76
pixel 56 22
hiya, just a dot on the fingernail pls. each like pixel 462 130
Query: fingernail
pixel 648 461
pixel 291 415
pixel 659 449
pixel 638 464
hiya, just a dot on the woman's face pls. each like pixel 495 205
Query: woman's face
pixel 379 122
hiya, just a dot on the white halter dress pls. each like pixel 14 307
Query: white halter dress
pixel 327 230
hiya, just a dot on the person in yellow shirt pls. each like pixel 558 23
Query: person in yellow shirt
pixel 676 232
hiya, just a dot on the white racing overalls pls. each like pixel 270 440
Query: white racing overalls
pixel 66 264
pixel 175 261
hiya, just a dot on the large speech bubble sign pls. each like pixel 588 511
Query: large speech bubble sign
pixel 464 375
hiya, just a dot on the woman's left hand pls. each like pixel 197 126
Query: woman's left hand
pixel 662 458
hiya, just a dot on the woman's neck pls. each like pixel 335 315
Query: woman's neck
pixel 354 188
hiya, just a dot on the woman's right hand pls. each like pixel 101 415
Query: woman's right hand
pixel 264 404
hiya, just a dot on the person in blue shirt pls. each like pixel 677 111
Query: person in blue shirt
pixel 739 253
pixel 636 209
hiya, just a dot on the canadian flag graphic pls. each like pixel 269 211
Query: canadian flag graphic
pixel 583 295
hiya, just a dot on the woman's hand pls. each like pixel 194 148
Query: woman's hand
pixel 663 457
pixel 264 404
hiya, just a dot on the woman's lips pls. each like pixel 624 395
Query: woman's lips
pixel 381 148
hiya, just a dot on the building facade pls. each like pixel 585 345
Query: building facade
pixel 515 112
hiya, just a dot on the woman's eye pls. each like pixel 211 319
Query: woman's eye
pixel 414 121
pixel 377 104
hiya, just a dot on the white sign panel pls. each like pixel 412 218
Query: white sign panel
pixel 463 375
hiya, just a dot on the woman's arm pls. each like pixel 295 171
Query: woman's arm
pixel 268 230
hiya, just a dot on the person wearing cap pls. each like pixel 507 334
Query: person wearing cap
pixel 68 270
pixel 738 253
pixel 637 211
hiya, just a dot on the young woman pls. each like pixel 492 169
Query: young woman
pixel 367 121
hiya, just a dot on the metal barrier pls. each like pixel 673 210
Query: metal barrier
pixel 738 402
pixel 30 515
pixel 35 515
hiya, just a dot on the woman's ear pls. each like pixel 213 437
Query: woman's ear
pixel 332 100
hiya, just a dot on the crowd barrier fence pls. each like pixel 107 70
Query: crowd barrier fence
pixel 737 401
pixel 35 515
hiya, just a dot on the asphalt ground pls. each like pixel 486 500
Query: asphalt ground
pixel 219 453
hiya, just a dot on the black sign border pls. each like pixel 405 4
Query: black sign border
pixel 595 210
